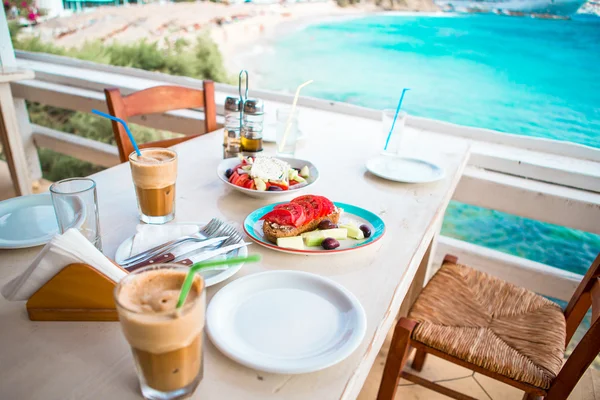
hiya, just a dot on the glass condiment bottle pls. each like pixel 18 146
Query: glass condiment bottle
pixel 232 128
pixel 252 128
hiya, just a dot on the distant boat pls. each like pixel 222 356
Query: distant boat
pixel 552 7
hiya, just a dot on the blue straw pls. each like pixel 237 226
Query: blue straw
pixel 119 120
pixel 395 116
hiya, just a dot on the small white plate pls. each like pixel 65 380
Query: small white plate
pixel 27 221
pixel 404 169
pixel 210 277
pixel 287 322
pixel 294 163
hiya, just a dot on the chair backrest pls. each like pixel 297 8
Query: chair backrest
pixel 586 295
pixel 159 99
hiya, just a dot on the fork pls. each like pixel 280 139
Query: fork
pixel 210 230
pixel 225 230
pixel 229 230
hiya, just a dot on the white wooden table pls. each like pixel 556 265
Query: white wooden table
pixel 80 360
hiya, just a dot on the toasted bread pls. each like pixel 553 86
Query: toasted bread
pixel 273 231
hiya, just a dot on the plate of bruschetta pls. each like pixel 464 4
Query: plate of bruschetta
pixel 313 225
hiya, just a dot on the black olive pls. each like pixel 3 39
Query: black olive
pixel 330 244
pixel 366 230
pixel 228 173
pixel 326 224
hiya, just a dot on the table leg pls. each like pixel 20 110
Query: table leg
pixel 418 282
pixel 12 143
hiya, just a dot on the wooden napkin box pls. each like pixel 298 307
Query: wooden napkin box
pixel 78 292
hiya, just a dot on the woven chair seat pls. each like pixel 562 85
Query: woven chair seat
pixel 492 324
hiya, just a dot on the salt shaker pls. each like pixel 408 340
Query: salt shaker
pixel 232 128
pixel 252 127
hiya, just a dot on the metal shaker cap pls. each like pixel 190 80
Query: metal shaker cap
pixel 233 104
pixel 254 107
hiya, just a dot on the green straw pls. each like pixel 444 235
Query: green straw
pixel 187 284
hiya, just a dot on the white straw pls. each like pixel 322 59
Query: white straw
pixel 288 124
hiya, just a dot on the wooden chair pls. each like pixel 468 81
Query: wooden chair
pixel 498 330
pixel 158 100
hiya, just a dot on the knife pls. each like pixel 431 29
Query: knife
pixel 207 255
pixel 173 254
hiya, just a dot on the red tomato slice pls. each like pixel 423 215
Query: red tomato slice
pixel 297 212
pixel 249 183
pixel 293 182
pixel 241 181
pixel 312 202
pixel 309 211
pixel 233 177
pixel 236 181
pixel 328 206
pixel 281 217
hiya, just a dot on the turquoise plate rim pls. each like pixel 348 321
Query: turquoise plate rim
pixel 370 217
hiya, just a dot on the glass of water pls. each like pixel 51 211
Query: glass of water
pixel 394 143
pixel 76 205
pixel 286 121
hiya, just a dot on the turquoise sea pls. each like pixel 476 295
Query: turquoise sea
pixel 519 75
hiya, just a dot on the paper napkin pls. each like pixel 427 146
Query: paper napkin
pixel 68 248
pixel 149 236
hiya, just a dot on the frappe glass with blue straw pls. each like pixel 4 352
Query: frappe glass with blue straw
pixel 154 172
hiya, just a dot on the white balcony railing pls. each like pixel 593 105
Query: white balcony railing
pixel 541 179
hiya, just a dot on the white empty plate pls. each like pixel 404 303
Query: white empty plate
pixel 27 221
pixel 287 322
pixel 404 169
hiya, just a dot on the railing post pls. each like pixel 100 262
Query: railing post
pixel 18 143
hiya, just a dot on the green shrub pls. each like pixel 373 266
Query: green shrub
pixel 209 62
pixel 13 29
pixel 56 166
pixel 200 60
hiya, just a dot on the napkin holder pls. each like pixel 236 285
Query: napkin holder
pixel 78 292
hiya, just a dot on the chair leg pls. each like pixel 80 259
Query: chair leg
pixel 419 360
pixel 399 349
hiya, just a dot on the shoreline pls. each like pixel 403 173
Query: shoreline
pixel 257 35
pixel 244 53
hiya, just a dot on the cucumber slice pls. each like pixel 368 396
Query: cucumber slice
pixel 260 184
pixel 337 233
pixel 294 242
pixel 315 238
pixel 353 231
pixel 305 172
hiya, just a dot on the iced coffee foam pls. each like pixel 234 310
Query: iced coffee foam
pixel 151 321
pixel 155 169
